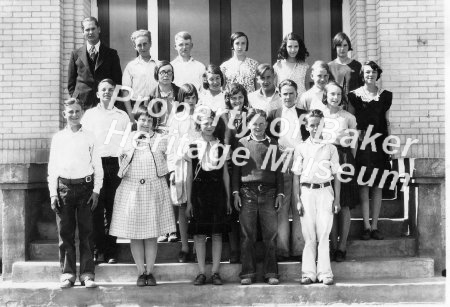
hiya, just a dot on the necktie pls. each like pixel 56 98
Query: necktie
pixel 92 53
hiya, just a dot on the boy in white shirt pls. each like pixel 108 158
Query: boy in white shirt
pixel 315 167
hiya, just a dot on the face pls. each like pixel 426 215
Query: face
pixel 334 95
pixel 91 32
pixel 142 45
pixel 214 82
pixel 237 101
pixel 240 45
pixel 144 123
pixel 288 95
pixel 258 129
pixel 206 126
pixel 165 74
pixel 320 77
pixel 370 75
pixel 313 125
pixel 342 49
pixel 191 100
pixel 105 92
pixel 184 47
pixel 292 48
pixel 73 114
pixel 266 80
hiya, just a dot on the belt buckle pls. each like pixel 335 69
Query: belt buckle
pixel 88 178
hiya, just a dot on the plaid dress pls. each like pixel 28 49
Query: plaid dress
pixel 142 206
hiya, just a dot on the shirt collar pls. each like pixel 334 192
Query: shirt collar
pixel 139 59
pixel 315 89
pixel 180 59
pixel 312 141
pixel 67 128
pixel 251 137
pixel 291 109
pixel 261 93
pixel 101 107
pixel 97 46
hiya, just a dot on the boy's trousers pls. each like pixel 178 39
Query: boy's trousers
pixel 73 200
pixel 317 221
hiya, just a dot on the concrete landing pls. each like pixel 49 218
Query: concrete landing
pixel 392 291
pixel 411 267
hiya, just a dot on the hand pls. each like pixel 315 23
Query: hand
pixel 279 202
pixel 54 203
pixel 189 210
pixel 237 202
pixel 300 208
pixel 229 209
pixel 336 206
pixel 93 201
pixel 172 178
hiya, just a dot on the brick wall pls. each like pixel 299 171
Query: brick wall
pixel 35 42
pixel 407 39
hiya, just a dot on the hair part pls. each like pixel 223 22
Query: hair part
pixel 262 68
pixel 302 53
pixel 72 101
pixel 235 36
pixel 339 38
pixel 213 70
pixel 89 19
pixel 107 80
pixel 325 92
pixel 318 65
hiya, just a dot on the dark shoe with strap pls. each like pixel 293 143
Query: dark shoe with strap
pixel 376 235
pixel 200 280
pixel 366 234
pixel 183 257
pixel 151 280
pixel 340 255
pixel 142 280
pixel 216 279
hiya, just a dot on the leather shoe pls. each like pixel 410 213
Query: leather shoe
pixel 328 281
pixel 234 257
pixel 306 281
pixel 376 234
pixel 183 257
pixel 200 280
pixel 216 279
pixel 340 255
pixel 163 238
pixel 142 280
pixel 173 237
pixel 151 280
pixel 366 234
pixel 246 281
pixel 272 281
pixel 89 283
pixel 65 284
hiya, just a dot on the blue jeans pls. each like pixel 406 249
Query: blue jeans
pixel 73 200
pixel 258 200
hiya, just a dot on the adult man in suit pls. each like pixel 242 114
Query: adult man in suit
pixel 286 124
pixel 90 64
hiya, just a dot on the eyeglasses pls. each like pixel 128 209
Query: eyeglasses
pixel 165 72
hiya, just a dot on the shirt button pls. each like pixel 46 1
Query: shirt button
pixel 142 181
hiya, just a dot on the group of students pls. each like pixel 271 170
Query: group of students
pixel 223 156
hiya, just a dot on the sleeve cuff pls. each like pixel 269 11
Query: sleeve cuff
pixel 235 192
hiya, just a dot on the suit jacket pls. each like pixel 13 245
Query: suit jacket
pixel 276 114
pixel 82 83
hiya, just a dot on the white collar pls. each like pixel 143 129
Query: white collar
pixel 180 59
pixel 364 95
pixel 97 46
pixel 251 137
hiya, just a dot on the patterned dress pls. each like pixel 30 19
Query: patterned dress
pixel 370 114
pixel 142 206
pixel 243 72
pixel 296 74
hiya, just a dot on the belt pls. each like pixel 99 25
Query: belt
pixel 315 185
pixel 259 186
pixel 86 179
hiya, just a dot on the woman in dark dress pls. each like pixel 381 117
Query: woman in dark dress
pixel 208 199
pixel 371 105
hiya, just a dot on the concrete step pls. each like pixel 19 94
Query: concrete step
pixel 399 267
pixel 168 252
pixel 382 291
pixel 388 227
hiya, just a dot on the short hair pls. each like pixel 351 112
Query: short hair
pixel 140 33
pixel 186 90
pixel 235 36
pixel 143 110
pixel 72 101
pixel 287 82
pixel 339 38
pixel 262 68
pixel 88 19
pixel 325 92
pixel 372 65
pixel 107 80
pixel 158 67
pixel 214 70
pixel 252 113
pixel 234 89
pixel 302 53
pixel 321 65
pixel 183 35
pixel 313 113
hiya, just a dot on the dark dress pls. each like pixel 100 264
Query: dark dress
pixel 209 200
pixel 371 112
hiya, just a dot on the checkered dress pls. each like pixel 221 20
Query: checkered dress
pixel 142 206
